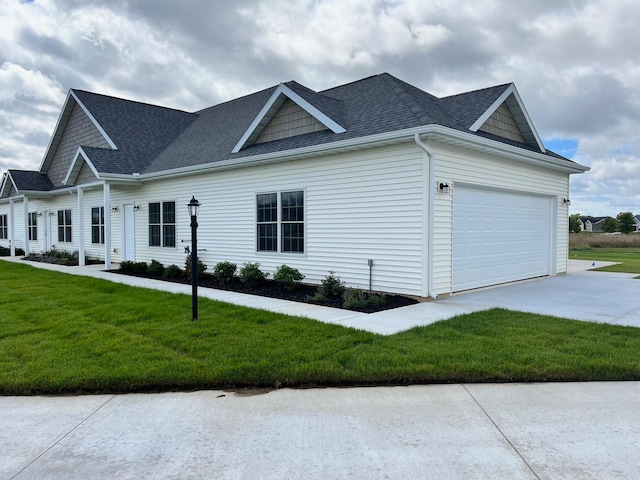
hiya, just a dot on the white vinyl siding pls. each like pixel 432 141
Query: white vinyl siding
pixel 361 205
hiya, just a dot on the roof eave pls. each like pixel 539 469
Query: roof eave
pixel 439 133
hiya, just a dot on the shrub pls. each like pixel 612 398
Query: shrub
pixel 156 269
pixel 20 252
pixel 288 277
pixel 354 299
pixel 224 272
pixel 377 299
pixel 187 267
pixel 4 251
pixel 331 286
pixel 140 268
pixel 251 275
pixel 172 271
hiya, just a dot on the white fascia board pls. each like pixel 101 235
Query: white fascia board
pixel 444 134
pixel 79 153
pixel 93 120
pixel 511 90
pixel 5 181
pixel 301 102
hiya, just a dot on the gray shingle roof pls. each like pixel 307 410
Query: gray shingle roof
pixel 30 180
pixel 139 130
pixel 152 139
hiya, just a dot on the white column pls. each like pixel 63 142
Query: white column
pixel 107 225
pixel 12 232
pixel 81 231
pixel 26 225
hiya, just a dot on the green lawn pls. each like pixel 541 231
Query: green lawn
pixel 628 258
pixel 67 334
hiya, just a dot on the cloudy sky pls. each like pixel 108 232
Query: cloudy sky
pixel 575 63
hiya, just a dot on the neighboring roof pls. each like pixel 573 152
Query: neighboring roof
pixel 147 139
pixel 593 220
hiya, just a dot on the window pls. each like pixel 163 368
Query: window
pixel 289 223
pixel 97 225
pixel 33 226
pixel 4 230
pixel 162 224
pixel 64 226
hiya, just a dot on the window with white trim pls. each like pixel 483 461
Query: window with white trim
pixel 64 226
pixel 33 226
pixel 280 222
pixel 4 227
pixel 162 224
pixel 97 225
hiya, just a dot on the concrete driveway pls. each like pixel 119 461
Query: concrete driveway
pixel 507 431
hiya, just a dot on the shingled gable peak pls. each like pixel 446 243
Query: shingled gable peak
pixel 286 106
pixel 507 117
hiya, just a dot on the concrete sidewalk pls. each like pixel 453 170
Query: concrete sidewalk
pixel 504 431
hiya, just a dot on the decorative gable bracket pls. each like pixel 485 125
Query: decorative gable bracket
pixel 511 98
pixel 270 108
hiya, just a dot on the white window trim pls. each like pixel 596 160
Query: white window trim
pixel 279 223
pixel 162 224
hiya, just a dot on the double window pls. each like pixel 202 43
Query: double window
pixel 162 224
pixel 64 226
pixel 97 225
pixel 280 222
pixel 33 226
pixel 4 227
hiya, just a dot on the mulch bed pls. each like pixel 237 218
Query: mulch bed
pixel 272 289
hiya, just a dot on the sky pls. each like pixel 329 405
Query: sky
pixel 576 64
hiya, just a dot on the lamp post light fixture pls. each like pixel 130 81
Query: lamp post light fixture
pixel 194 206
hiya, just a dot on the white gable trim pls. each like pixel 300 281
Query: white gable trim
pixel 511 90
pixel 74 168
pixel 94 121
pixel 270 108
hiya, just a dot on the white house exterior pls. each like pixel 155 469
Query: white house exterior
pixel 438 195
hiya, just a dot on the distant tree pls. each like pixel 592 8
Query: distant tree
pixel 609 225
pixel 625 221
pixel 574 223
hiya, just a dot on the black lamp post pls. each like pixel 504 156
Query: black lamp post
pixel 194 206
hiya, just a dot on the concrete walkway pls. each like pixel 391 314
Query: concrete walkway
pixel 507 431
pixel 581 295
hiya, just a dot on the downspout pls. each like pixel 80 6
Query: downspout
pixel 432 182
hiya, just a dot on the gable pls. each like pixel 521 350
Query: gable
pixel 290 120
pixel 272 108
pixel 509 100
pixel 502 124
pixel 78 130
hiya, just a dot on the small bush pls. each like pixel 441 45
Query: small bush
pixel 4 251
pixel 317 298
pixel 288 277
pixel 251 275
pixel 187 267
pixel 377 299
pixel 156 269
pixel 172 271
pixel 140 268
pixel 20 252
pixel 354 299
pixel 224 272
pixel 331 286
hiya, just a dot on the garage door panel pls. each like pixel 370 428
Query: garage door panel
pixel 499 237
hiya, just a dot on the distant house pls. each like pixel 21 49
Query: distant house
pixel 375 177
pixel 591 224
pixel 636 223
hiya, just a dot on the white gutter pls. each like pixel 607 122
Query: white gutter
pixel 432 182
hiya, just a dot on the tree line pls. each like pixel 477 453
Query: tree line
pixel 623 223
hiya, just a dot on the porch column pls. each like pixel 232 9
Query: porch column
pixel 81 232
pixel 25 205
pixel 107 225
pixel 12 232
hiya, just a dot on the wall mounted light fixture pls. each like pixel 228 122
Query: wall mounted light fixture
pixel 136 207
pixel 566 201
pixel 115 209
pixel 443 188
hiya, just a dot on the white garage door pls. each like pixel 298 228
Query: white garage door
pixel 499 237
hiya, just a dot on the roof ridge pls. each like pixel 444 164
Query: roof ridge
pixel 505 85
